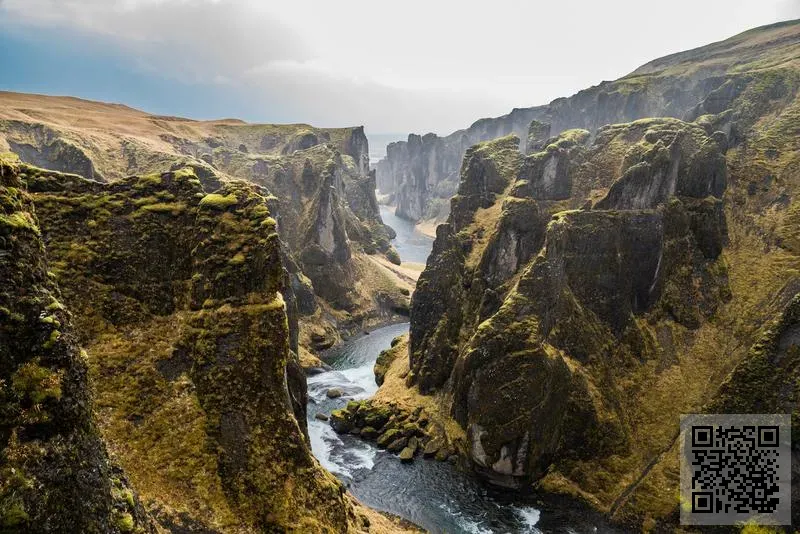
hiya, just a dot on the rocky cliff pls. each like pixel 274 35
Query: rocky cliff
pixel 55 473
pixel 179 296
pixel 423 172
pixel 582 296
pixel 319 188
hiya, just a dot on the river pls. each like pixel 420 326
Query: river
pixel 435 495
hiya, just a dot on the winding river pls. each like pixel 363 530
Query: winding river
pixel 434 495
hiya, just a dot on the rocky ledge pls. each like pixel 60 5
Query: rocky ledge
pixel 189 377
pixel 582 296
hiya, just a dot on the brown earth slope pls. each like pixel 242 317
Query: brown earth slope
pixel 319 189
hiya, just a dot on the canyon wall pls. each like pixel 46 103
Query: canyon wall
pixel 55 472
pixel 582 296
pixel 179 296
pixel 319 189
pixel 422 173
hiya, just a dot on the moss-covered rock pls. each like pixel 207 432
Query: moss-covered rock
pixel 382 363
pixel 567 299
pixel 393 256
pixel 388 437
pixel 190 349
pixel 55 474
pixel 406 455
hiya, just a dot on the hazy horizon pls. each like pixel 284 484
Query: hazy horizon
pixel 418 67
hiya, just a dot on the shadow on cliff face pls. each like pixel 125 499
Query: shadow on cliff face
pixel 178 297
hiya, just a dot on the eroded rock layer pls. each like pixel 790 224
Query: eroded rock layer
pixel 319 188
pixel 422 173
pixel 55 473
pixel 582 296
pixel 179 297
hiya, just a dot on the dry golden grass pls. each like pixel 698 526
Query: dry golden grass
pixel 122 141
pixel 404 275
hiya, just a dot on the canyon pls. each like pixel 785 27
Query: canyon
pixel 188 307
pixel 599 274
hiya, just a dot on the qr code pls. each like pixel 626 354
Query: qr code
pixel 735 468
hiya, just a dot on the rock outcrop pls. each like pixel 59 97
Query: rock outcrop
pixel 179 296
pixel 319 187
pixel 422 173
pixel 582 296
pixel 55 473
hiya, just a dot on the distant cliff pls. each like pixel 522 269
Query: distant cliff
pixel 318 186
pixel 423 172
pixel 582 295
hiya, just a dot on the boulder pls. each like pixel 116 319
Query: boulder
pixel 407 454
pixel 397 445
pixel 431 448
pixel 334 393
pixel 387 437
pixel 341 421
pixel 369 433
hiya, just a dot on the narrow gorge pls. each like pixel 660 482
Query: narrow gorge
pixel 588 271
pixel 214 326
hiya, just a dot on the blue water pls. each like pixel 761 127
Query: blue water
pixel 411 244
pixel 434 495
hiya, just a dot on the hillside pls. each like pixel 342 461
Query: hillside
pixel 582 295
pixel 188 375
pixel 422 174
pixel 317 182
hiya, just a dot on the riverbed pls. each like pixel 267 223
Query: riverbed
pixel 435 495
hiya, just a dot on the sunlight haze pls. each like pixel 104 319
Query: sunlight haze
pixel 412 66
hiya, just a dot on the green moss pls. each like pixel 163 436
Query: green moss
pixel 382 364
pixel 50 320
pixel 55 306
pixel 20 220
pixel 148 180
pixel 217 201
pixel 238 259
pixel 37 383
pixel 124 522
pixel 173 208
pixel 388 437
pixel 13 514
pixel 51 341
pixel 13 316
pixel 184 174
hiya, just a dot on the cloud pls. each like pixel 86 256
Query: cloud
pixel 788 9
pixel 415 65
pixel 203 39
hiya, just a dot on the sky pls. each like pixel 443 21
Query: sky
pixel 400 66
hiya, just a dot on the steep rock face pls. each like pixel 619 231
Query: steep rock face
pixel 548 303
pixel 422 173
pixel 605 285
pixel 320 189
pixel 55 475
pixel 326 212
pixel 178 296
